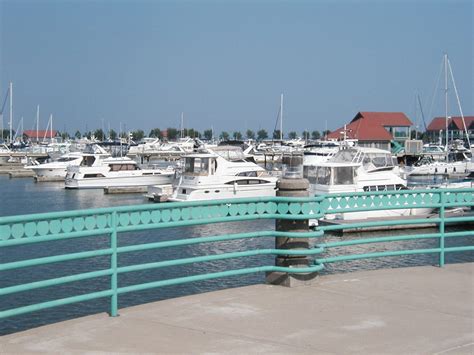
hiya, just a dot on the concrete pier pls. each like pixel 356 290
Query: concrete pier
pixel 125 190
pixel 422 310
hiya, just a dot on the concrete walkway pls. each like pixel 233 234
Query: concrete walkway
pixel 401 311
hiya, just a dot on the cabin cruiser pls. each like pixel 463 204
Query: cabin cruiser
pixel 457 163
pixel 358 169
pixel 115 172
pixel 92 156
pixel 209 176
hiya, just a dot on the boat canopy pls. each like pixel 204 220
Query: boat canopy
pixel 370 158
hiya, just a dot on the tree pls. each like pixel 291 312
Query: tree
pixel 64 136
pixel 276 134
pixel 224 136
pixel 262 134
pixel 315 135
pixel 138 135
pixel 250 134
pixel 155 133
pixel 237 135
pixel 172 133
pixel 112 135
pixel 325 133
pixel 77 134
pixel 292 135
pixel 99 134
pixel 208 134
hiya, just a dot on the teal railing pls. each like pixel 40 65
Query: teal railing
pixel 113 222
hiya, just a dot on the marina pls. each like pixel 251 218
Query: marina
pixel 236 177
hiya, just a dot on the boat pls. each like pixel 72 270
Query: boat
pixel 359 169
pixel 209 175
pixel 115 172
pixel 319 152
pixel 93 155
pixel 457 158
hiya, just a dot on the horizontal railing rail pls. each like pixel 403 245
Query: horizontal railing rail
pixel 16 231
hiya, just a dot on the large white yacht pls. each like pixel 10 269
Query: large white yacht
pixel 115 172
pixel 209 175
pixel 93 155
pixel 359 169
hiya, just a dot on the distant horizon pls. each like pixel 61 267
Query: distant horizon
pixel 139 65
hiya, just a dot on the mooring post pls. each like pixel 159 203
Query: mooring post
pixel 292 184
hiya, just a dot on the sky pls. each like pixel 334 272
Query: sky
pixel 139 64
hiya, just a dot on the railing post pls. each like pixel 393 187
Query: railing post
pixel 291 185
pixel 113 266
pixel 442 227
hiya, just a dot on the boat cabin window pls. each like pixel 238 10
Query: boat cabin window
pixel 196 166
pixel 343 175
pixel 248 182
pixel 88 161
pixel 87 176
pixel 248 173
pixel 122 167
pixel 66 159
pixel 323 175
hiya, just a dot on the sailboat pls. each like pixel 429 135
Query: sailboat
pixel 458 159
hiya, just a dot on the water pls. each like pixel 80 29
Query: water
pixel 23 196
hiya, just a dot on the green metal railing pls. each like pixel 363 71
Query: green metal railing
pixel 49 227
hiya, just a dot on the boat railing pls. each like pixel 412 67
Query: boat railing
pixel 46 236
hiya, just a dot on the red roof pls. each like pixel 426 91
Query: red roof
pixel 41 134
pixel 394 119
pixel 369 126
pixel 439 123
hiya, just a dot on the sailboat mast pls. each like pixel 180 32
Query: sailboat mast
pixel 51 129
pixel 446 96
pixel 182 124
pixel 281 117
pixel 11 112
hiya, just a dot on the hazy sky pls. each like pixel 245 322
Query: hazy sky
pixel 225 63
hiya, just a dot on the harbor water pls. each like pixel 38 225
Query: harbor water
pixel 24 196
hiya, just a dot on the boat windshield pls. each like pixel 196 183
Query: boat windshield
pixel 370 160
pixel 196 166
pixel 336 175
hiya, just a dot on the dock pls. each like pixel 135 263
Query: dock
pixel 49 178
pixel 392 311
pixel 124 190
pixel 404 222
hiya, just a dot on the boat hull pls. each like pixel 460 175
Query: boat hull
pixel 122 181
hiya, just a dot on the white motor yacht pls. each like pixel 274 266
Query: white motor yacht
pixel 458 163
pixel 92 156
pixel 115 172
pixel 209 175
pixel 359 169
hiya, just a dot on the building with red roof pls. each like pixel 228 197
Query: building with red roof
pixel 35 136
pixel 437 128
pixel 375 129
